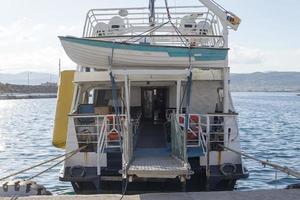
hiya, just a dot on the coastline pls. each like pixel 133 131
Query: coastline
pixel 27 96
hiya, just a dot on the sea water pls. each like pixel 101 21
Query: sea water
pixel 269 128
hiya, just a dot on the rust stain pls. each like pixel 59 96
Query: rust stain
pixel 85 156
pixel 219 157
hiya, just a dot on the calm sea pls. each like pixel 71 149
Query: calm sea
pixel 269 127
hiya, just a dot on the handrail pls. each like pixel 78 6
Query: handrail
pixel 128 147
pixel 214 128
pixel 136 21
pixel 101 144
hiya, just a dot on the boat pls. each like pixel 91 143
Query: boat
pixel 149 105
pixel 95 53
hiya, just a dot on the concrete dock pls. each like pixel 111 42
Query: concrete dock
pixel 249 195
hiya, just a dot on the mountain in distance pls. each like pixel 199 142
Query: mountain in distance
pixel 253 82
pixel 23 78
pixel 266 82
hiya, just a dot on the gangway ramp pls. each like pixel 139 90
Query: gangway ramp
pixel 158 167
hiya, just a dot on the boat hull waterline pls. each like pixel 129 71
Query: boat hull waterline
pixel 97 53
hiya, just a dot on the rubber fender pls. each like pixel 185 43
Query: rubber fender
pixel 63 108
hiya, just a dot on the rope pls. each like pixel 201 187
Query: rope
pixel 66 158
pixel 42 163
pixel 124 188
pixel 181 37
pixel 115 98
pixel 283 169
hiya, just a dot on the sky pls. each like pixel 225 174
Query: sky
pixel 268 38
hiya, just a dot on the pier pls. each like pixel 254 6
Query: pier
pixel 247 195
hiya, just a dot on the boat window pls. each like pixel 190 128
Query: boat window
pixel 104 97
pixel 188 26
pixel 115 26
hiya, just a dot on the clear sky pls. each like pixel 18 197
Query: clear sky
pixel 268 38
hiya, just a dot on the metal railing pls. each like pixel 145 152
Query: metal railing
pixel 135 21
pixel 215 134
pixel 127 147
pixel 194 131
pixel 101 145
pixel 101 132
pixel 87 129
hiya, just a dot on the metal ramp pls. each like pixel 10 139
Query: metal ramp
pixel 158 167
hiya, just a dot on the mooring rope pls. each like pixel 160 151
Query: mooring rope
pixel 283 169
pixel 68 155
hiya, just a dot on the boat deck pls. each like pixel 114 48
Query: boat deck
pixel 151 135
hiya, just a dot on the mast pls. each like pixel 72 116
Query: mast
pixel 152 12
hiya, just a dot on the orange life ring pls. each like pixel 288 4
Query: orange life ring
pixel 192 136
pixel 113 136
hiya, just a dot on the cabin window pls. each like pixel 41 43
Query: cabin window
pixel 188 26
pixel 115 26
pixel 104 97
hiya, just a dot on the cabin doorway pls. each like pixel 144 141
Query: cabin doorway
pixel 152 134
pixel 154 103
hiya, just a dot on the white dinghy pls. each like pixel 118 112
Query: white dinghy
pixel 95 53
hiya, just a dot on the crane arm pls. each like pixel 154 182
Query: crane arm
pixel 227 18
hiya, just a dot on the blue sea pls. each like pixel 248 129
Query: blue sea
pixel 269 128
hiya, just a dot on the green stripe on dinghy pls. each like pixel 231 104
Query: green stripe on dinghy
pixel 200 54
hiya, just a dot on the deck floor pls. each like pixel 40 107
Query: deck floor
pixel 151 136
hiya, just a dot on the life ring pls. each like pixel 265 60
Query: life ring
pixel 112 136
pixel 227 169
pixel 192 135
pixel 76 174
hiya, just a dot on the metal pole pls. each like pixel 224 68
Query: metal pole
pixel 178 94
pixel 226 90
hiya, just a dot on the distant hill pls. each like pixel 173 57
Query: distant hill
pixel 266 82
pixel 35 78
pixel 254 82
pixel 25 89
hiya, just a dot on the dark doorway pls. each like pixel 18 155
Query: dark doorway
pixel 154 103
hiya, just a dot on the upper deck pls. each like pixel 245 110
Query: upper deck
pixel 196 25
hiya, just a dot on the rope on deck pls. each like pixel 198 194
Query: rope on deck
pixel 283 169
pixel 66 155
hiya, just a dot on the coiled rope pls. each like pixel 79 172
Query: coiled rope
pixel 66 155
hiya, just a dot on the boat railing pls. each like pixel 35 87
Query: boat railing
pixel 89 126
pixel 194 132
pixel 101 145
pixel 178 140
pixel 87 129
pixel 204 30
pixel 107 132
pixel 127 154
pixel 216 130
